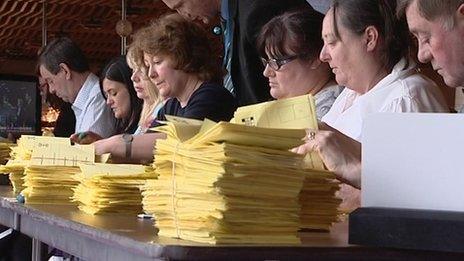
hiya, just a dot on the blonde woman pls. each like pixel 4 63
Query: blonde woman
pixel 145 89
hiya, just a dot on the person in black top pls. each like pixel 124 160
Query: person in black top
pixel 204 101
pixel 180 64
pixel 241 21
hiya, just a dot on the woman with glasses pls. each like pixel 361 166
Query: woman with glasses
pixel 289 46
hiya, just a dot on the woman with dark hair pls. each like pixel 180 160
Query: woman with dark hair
pixel 180 63
pixel 367 48
pixel 117 88
pixel 289 46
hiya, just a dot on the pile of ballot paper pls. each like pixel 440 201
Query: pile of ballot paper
pixel 4 151
pixel 224 183
pixel 20 156
pixel 111 188
pixel 319 205
pixel 49 173
pixel 49 184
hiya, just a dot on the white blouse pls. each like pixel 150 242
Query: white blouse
pixel 403 90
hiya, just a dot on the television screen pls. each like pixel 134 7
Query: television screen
pixel 20 107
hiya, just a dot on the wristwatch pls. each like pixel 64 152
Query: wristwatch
pixel 128 138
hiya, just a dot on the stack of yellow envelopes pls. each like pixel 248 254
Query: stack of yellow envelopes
pixel 319 205
pixel 16 173
pixel 227 184
pixel 49 174
pixel 111 188
pixel 20 156
pixel 318 201
pixel 5 148
pixel 49 184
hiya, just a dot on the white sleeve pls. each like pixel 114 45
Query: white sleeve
pixel 99 118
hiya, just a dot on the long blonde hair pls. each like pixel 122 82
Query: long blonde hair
pixel 154 99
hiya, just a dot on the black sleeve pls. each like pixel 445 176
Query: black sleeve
pixel 214 103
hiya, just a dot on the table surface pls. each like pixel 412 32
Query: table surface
pixel 142 230
pixel 138 236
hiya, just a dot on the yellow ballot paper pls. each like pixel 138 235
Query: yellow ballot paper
pixel 58 154
pixel 49 173
pixel 5 148
pixel 29 142
pixel 111 188
pixel 292 113
pixel 226 183
pixel 21 154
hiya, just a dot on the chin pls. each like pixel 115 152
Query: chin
pixel 453 82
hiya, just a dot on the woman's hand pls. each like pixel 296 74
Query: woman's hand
pixel 86 137
pixel 340 153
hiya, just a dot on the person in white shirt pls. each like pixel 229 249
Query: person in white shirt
pixel 289 45
pixel 65 69
pixel 367 48
pixel 439 29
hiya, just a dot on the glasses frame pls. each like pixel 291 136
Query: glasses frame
pixel 276 64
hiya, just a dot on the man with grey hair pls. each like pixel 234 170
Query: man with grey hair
pixel 439 29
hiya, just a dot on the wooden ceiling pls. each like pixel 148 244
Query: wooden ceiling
pixel 91 23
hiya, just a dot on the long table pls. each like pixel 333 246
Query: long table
pixel 123 237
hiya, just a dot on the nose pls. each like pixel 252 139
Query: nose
pixel 109 101
pixel 268 71
pixel 152 73
pixel 423 53
pixel 324 56
pixel 135 77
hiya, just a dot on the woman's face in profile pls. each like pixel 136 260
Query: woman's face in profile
pixel 169 81
pixel 291 79
pixel 117 97
pixel 141 82
pixel 344 54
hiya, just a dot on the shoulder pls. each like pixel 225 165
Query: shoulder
pixel 416 84
pixel 211 91
pixel 416 93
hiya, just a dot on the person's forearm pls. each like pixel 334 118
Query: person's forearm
pixel 351 174
pixel 144 145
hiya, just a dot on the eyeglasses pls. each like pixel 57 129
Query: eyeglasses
pixel 276 64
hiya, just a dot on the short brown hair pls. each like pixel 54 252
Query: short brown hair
pixel 295 31
pixel 184 42
pixel 432 9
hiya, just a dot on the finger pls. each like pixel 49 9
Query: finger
pixel 310 134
